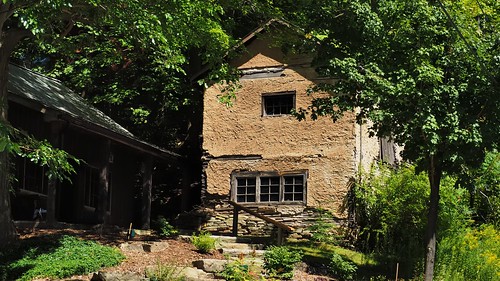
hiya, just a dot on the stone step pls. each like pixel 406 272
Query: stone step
pixel 195 274
pixel 240 246
pixel 242 252
pixel 215 266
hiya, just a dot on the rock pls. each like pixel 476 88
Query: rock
pixel 118 276
pixel 210 265
pixel 155 246
pixel 144 247
pixel 130 246
pixel 194 274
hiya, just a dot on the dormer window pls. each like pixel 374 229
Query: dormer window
pixel 277 104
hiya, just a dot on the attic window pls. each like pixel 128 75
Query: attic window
pixel 277 104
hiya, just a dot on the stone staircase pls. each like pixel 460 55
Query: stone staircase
pixel 235 249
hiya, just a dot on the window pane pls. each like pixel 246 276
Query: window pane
pixel 241 190
pixel 275 189
pixel 274 197
pixel 251 190
pixel 264 189
pixel 245 189
pixel 294 188
pixel 251 181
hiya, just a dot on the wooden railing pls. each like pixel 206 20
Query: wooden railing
pixel 281 226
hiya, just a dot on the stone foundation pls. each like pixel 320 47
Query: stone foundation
pixel 219 220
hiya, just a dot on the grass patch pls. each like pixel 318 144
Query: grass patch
pixel 321 254
pixel 55 257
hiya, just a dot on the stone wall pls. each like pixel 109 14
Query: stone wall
pixel 220 220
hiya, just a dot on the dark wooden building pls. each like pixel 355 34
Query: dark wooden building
pixel 113 182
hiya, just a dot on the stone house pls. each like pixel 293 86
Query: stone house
pixel 114 180
pixel 260 156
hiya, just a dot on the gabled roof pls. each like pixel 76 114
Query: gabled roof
pixel 245 41
pixel 43 93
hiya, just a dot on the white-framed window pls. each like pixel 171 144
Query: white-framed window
pixel 277 104
pixel 269 187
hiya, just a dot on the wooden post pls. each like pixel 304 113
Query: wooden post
pixel 103 193
pixel 147 183
pixel 280 236
pixel 235 221
pixel 55 139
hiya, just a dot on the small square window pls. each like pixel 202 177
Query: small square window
pixel 246 190
pixel 278 104
pixel 269 189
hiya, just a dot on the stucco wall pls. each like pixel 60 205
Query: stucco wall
pixel 323 148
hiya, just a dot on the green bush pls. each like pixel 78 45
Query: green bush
pixel 485 186
pixel 342 268
pixel 469 254
pixel 238 271
pixel 279 261
pixel 323 230
pixel 203 242
pixel 163 272
pixel 391 211
pixel 164 228
pixel 69 256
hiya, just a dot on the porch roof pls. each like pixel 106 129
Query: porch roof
pixel 44 94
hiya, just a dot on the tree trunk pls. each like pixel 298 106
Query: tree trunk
pixel 7 230
pixel 434 174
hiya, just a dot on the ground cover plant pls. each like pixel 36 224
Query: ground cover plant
pixel 203 242
pixel 279 261
pixel 55 257
pixel 164 228
pixel 240 270
pixel 321 255
pixel 165 272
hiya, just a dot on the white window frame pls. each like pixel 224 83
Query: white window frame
pixel 257 176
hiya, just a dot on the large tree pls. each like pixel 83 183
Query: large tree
pixel 105 32
pixel 425 73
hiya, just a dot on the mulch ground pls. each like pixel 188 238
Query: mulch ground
pixel 177 252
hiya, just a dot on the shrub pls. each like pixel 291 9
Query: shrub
pixel 342 268
pixel 391 210
pixel 203 242
pixel 469 254
pixel 322 229
pixel 164 228
pixel 238 271
pixel 69 256
pixel 279 261
pixel 163 272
